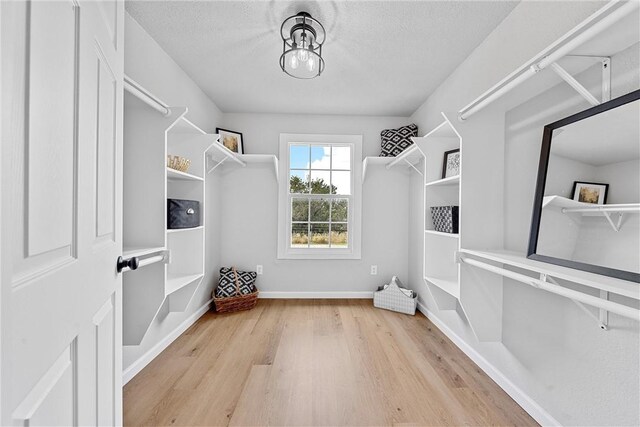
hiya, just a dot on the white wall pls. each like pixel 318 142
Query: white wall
pixel 151 67
pixel 557 356
pixel 250 197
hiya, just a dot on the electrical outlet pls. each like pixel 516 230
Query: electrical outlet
pixel 374 270
pixel 259 269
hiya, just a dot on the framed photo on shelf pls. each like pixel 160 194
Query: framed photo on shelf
pixel 231 139
pixel 590 192
pixel 451 163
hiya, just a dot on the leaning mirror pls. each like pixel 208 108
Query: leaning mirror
pixel 586 212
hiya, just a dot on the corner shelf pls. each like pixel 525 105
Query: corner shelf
pixel 219 154
pixel 442 234
pixel 448 284
pixel 173 174
pixel 410 157
pixel 450 181
pixel 177 282
pixel 184 230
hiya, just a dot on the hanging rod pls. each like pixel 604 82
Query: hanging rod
pixel 553 53
pixel 145 96
pixel 613 307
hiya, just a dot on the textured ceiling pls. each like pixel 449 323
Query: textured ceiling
pixel 382 57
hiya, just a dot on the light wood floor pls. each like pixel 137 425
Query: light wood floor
pixel 316 362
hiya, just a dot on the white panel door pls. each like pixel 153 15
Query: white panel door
pixel 60 216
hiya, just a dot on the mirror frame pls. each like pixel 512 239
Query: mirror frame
pixel 540 187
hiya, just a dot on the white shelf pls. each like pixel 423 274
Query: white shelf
pixel 447 284
pixel 219 154
pixel 450 181
pixel 176 175
pixel 568 206
pixel 260 158
pixel 440 233
pixel 183 230
pixel 592 280
pixel 139 252
pixel 410 156
pixel 175 283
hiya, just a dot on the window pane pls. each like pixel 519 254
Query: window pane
pixel 341 182
pixel 319 210
pixel 320 157
pixel 341 158
pixel 319 235
pixel 299 235
pixel 339 210
pixel 299 157
pixel 299 210
pixel 339 236
pixel 299 182
pixel 320 181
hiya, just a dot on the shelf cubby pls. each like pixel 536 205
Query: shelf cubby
pixel 156 287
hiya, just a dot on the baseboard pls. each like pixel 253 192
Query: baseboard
pixel 317 295
pixel 137 366
pixel 524 400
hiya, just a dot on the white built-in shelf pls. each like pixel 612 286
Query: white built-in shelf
pixel 449 181
pixel 219 154
pixel 447 284
pixel 410 156
pixel 176 175
pixel 139 252
pixel 184 230
pixel 177 282
pixel 568 206
pixel 440 233
pixel 592 280
pixel 260 158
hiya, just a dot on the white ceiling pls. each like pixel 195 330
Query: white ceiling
pixel 382 57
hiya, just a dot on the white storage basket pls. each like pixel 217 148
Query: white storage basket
pixel 392 298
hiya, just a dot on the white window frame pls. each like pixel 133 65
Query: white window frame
pixel 285 251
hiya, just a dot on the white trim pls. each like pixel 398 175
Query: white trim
pixel 355 204
pixel 132 370
pixel 317 295
pixel 516 393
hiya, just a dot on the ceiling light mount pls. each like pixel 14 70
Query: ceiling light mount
pixel 302 37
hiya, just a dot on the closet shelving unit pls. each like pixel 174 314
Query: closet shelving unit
pixel 485 267
pixel 409 158
pixel 440 270
pixel 170 283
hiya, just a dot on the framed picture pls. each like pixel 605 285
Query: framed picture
pixel 590 192
pixel 451 163
pixel 231 139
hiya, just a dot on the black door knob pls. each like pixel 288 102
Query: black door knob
pixel 122 263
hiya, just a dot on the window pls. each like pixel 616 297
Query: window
pixel 320 179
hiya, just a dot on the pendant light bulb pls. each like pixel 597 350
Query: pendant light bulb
pixel 294 62
pixel 311 63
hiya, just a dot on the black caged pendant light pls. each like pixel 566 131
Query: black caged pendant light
pixel 303 37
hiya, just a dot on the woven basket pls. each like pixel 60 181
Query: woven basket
pixel 178 163
pixel 238 302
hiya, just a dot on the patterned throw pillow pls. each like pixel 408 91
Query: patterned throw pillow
pixel 227 283
pixel 395 141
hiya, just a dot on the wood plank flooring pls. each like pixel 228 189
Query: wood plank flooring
pixel 316 362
